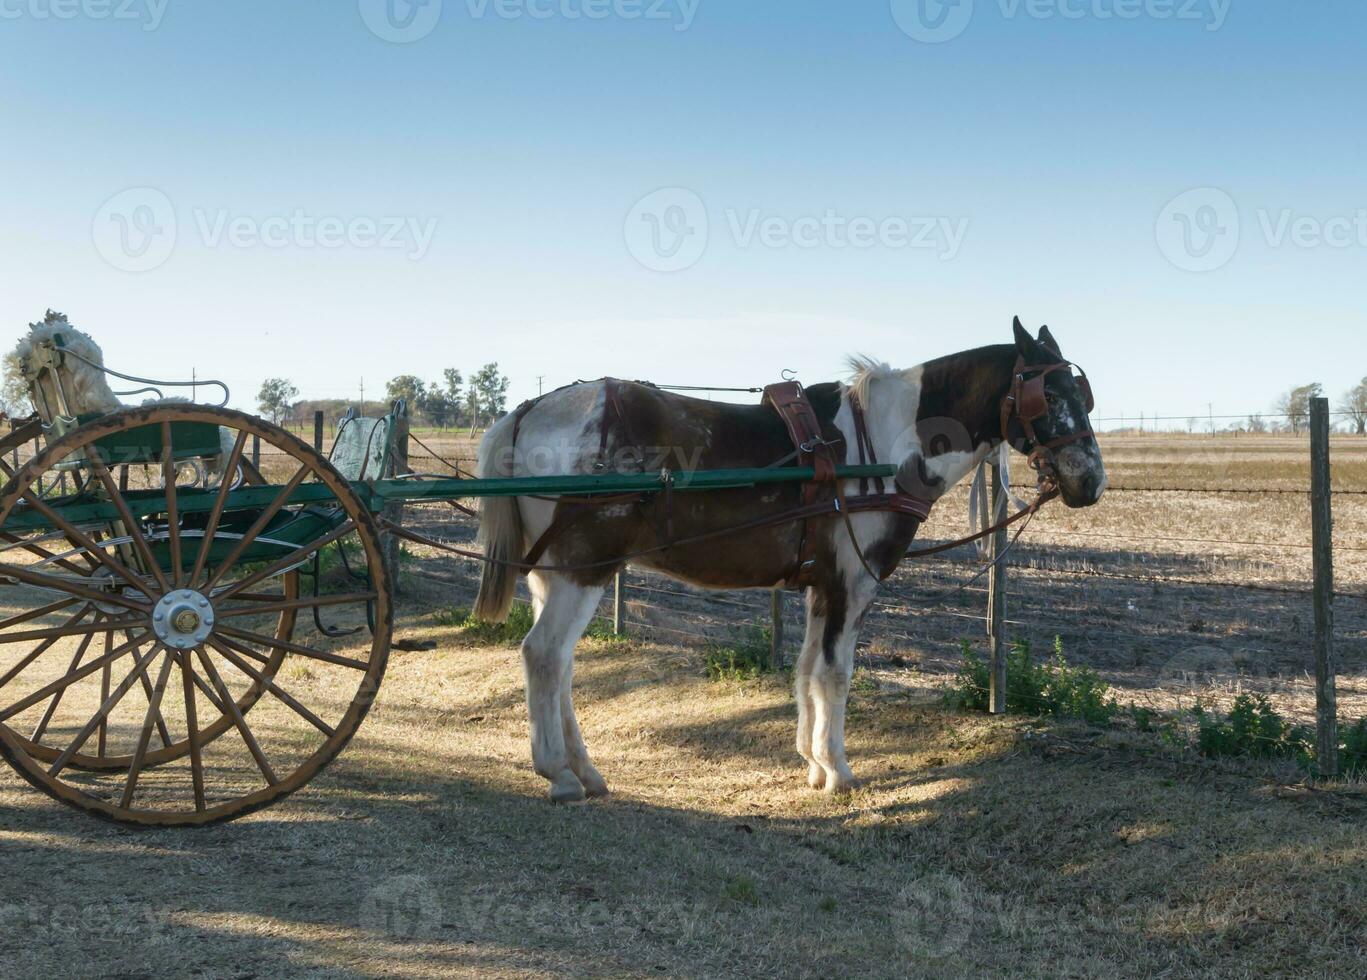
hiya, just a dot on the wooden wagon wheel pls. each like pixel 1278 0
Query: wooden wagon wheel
pixel 169 748
pixel 189 596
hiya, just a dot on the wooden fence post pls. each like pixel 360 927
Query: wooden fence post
pixel 996 600
pixel 318 430
pixel 393 512
pixel 618 605
pixel 1322 528
pixel 776 629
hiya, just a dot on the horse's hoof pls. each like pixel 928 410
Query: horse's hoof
pixel 594 783
pixel 816 776
pixel 841 783
pixel 566 788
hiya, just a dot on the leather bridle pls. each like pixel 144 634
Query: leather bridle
pixel 1027 402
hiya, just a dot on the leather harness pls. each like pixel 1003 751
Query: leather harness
pixel 823 495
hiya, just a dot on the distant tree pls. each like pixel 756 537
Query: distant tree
pixel 1354 405
pixel 1256 424
pixel 437 406
pixel 275 398
pixel 1295 405
pixel 14 395
pixel 409 387
pixel 493 389
pixel 472 407
pixel 453 381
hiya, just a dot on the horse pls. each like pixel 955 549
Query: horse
pixel 936 421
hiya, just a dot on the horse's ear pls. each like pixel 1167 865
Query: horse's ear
pixel 1024 342
pixel 1047 339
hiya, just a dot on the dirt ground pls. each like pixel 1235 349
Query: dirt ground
pixel 977 846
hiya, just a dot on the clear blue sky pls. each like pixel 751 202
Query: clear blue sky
pixel 522 137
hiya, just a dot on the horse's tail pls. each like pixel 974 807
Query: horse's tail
pixel 500 527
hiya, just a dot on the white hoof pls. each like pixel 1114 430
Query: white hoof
pixel 816 776
pixel 566 788
pixel 593 782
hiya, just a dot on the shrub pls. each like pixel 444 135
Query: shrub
pixel 744 659
pixel 1353 754
pixel 1252 728
pixel 511 633
pixel 1052 688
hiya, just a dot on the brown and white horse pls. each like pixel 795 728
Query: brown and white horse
pixel 936 421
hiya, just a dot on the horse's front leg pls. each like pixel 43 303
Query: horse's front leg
pixel 802 690
pixel 828 685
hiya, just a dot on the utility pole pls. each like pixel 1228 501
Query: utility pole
pixel 194 376
pixel 539 377
pixel 363 397
pixel 1210 411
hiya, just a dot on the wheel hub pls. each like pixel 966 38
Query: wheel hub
pixel 183 619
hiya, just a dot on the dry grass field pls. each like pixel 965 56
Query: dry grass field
pixel 977 845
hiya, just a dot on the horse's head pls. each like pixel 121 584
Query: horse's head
pixel 60 385
pixel 1045 415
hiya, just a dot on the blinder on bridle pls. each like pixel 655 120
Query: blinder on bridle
pixel 1027 401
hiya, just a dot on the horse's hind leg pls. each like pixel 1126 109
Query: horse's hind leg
pixel 547 656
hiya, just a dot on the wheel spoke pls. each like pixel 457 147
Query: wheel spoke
pixel 63 682
pixel 192 727
pixel 303 651
pixel 57 632
pixel 153 714
pixel 41 648
pixel 223 647
pixel 236 714
pixel 162 730
pixel 293 558
pixel 29 577
pixel 139 668
pixel 53 607
pixel 134 531
pixel 258 526
pixel 41 728
pixel 84 540
pixel 32 548
pixel 282 606
pixel 106 677
pixel 168 469
pixel 225 485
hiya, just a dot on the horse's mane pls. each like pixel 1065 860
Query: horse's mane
pixel 864 371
